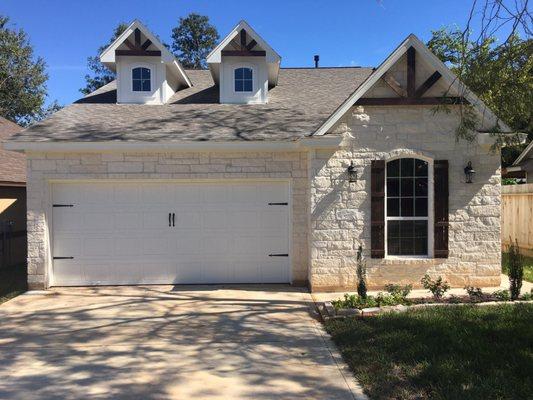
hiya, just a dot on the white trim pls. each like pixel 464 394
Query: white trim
pixel 447 75
pixel 430 217
pixel 523 155
pixel 71 146
pixel 514 169
pixel 143 93
pixel 234 68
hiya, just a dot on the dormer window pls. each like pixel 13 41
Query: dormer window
pixel 243 79
pixel 141 79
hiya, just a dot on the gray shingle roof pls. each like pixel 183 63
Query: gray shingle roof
pixel 12 164
pixel 298 105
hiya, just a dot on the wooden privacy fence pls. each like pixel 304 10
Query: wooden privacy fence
pixel 517 216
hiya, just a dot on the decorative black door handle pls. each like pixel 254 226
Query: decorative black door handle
pixel 169 219
pixel 173 219
pixel 278 255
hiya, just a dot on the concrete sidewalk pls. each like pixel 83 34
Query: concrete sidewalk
pixel 164 342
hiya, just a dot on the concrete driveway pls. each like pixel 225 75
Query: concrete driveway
pixel 164 342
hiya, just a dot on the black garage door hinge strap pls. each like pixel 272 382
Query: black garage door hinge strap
pixel 278 204
pixel 278 255
pixel 63 205
pixel 63 258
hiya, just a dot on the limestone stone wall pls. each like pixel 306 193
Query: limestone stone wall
pixel 43 167
pixel 340 211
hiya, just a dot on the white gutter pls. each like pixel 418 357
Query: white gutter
pixel 302 144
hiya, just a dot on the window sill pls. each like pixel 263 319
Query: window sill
pixel 397 260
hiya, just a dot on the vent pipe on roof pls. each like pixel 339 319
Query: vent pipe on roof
pixel 317 57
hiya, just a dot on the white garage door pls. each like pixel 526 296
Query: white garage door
pixel 161 233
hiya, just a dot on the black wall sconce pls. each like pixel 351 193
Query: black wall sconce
pixel 469 172
pixel 352 173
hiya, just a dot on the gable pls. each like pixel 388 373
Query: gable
pixel 412 75
pixel 244 41
pixel 138 41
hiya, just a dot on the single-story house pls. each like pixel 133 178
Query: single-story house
pixel 12 200
pixel 252 173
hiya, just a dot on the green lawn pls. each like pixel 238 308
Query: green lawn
pixel 456 352
pixel 528 266
pixel 12 282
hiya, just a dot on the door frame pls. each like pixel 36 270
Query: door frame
pixel 49 267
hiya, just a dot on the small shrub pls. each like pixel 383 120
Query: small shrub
pixel 385 299
pixel 437 287
pixel 349 301
pixel 474 293
pixel 398 290
pixel 455 299
pixel 361 273
pixel 515 270
pixel 527 296
pixel 502 295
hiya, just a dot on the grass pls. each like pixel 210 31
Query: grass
pixel 528 266
pixel 455 352
pixel 12 282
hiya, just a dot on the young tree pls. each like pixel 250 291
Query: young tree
pixel 22 76
pixel 500 75
pixel 193 39
pixel 101 75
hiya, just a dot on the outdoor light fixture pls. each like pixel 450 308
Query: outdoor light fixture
pixel 352 173
pixel 469 172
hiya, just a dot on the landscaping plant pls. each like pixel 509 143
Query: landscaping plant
pixel 361 273
pixel 437 287
pixel 474 293
pixel 502 295
pixel 515 270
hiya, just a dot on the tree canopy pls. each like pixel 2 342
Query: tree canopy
pixel 100 75
pixel 501 75
pixel 22 76
pixel 193 39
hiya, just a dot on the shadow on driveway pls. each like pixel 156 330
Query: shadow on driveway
pixel 164 342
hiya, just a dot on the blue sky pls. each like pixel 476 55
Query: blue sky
pixel 343 32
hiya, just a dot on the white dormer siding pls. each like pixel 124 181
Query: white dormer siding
pixel 228 91
pixel 244 49
pixel 159 90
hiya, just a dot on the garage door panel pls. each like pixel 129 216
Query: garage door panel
pixel 155 220
pixel 127 193
pixel 98 247
pixel 67 244
pixel 187 194
pixel 97 272
pixel 214 220
pixel 188 220
pixel 155 246
pixel 97 222
pixel 244 219
pixel 125 246
pixel 127 221
pixel 71 273
pixel 118 233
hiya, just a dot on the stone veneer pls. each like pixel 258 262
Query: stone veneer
pixel 340 211
pixel 183 165
pixel 330 217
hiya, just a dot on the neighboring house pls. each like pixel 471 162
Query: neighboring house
pixel 522 167
pixel 252 173
pixel 12 200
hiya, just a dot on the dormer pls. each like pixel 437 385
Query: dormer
pixel 244 66
pixel 147 73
